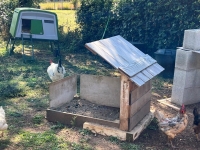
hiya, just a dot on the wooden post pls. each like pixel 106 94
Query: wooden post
pixel 126 88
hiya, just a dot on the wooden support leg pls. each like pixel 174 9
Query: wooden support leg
pixel 124 103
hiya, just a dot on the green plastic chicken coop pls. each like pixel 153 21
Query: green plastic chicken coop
pixel 31 24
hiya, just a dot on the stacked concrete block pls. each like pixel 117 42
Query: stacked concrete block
pixel 186 84
pixel 191 39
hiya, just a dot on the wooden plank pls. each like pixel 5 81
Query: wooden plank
pixel 117 51
pixel 134 120
pixel 66 118
pixel 138 65
pixel 124 102
pixel 147 74
pixel 129 46
pixel 109 58
pixel 105 130
pixel 138 104
pixel 139 92
pixel 121 50
pixel 143 77
pixel 137 80
pixel 142 125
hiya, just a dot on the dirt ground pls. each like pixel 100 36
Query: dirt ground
pixel 151 138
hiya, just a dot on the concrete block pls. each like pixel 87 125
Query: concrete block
pixel 185 96
pixel 183 78
pixel 197 78
pixel 100 90
pixel 186 60
pixel 62 91
pixel 191 39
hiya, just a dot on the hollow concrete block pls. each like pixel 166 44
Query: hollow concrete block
pixel 191 39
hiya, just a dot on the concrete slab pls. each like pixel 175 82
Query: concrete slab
pixel 62 91
pixel 101 90
pixel 191 39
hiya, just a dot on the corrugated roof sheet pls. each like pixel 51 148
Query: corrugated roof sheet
pixel 122 55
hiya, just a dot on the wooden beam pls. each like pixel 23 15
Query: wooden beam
pixel 79 120
pixel 124 103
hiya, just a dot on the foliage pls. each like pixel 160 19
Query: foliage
pixel 29 3
pixel 46 140
pixel 158 24
pixel 37 119
pixel 6 10
pixel 92 17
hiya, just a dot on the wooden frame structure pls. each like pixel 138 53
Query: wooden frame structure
pixel 137 70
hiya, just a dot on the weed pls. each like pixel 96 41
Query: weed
pixel 113 139
pixel 37 119
pixel 58 125
pixel 45 140
pixel 129 146
pixel 85 132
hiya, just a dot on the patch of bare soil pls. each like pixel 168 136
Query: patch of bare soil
pixel 86 108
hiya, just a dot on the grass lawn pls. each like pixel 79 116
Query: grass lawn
pixel 66 18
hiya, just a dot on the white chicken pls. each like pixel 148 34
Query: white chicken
pixel 56 71
pixel 3 124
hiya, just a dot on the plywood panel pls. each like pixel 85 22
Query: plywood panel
pixel 137 105
pixel 139 92
pixel 62 91
pixel 134 120
pixel 102 51
pixel 100 90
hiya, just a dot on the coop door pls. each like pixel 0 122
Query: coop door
pixel 36 27
pixel 32 26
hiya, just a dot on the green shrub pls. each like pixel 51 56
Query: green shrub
pixel 158 24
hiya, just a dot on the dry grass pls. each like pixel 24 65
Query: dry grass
pixel 57 6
